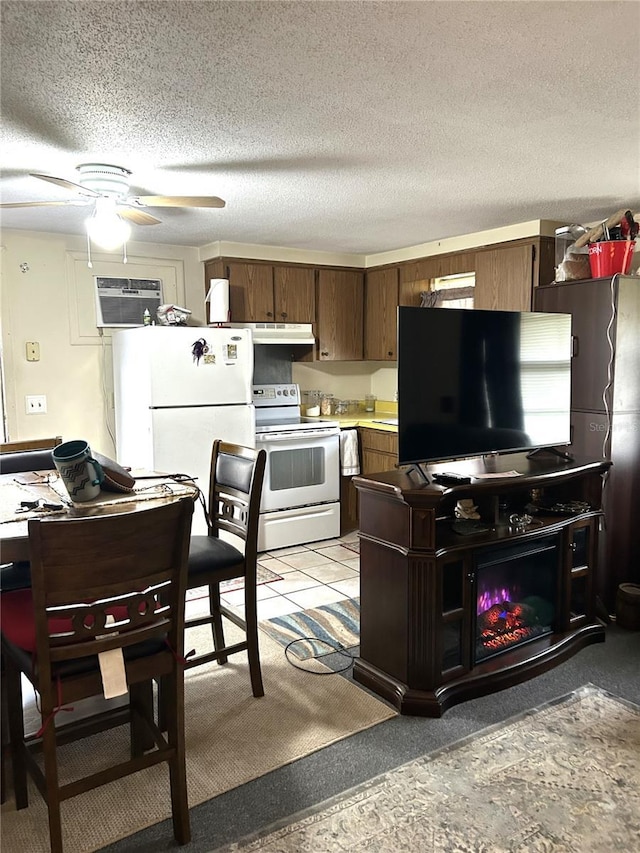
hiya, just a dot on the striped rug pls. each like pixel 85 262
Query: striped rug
pixel 325 627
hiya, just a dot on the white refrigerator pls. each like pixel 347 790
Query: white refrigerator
pixel 176 389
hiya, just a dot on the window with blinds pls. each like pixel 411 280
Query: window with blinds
pixel 545 358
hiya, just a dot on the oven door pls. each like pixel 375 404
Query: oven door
pixel 303 468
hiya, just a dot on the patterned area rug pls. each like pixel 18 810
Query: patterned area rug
pixel 564 778
pixel 263 576
pixel 322 629
pixel 231 738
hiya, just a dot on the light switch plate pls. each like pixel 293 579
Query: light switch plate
pixel 36 404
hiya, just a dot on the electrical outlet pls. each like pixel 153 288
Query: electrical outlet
pixel 36 404
pixel 33 351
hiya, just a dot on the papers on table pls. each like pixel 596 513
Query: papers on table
pixel 496 476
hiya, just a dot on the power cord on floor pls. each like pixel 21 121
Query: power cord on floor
pixel 334 649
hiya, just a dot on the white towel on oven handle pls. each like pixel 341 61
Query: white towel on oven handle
pixel 349 460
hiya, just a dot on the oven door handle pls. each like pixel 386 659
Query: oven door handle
pixel 300 435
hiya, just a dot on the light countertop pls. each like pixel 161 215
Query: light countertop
pixel 384 411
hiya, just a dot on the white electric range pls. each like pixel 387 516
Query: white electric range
pixel 301 492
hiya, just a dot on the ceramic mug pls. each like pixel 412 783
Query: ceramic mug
pixel 79 471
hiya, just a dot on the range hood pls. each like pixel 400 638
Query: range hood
pixel 278 333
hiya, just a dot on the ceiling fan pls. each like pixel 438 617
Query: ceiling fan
pixel 102 181
pixel 106 189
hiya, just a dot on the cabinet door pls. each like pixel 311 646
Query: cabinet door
pixel 504 279
pixel 380 315
pixel 340 303
pixel 212 269
pixel 379 450
pixel 455 615
pixel 294 294
pixel 250 292
pixel 580 559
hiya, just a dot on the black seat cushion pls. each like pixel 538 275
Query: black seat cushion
pixel 15 576
pixel 208 553
pixel 26 460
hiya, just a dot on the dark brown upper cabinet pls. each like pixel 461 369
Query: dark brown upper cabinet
pixel 339 313
pixel 380 313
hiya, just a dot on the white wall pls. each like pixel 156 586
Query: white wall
pixel 51 302
pixel 348 380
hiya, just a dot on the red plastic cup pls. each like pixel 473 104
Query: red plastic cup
pixel 609 257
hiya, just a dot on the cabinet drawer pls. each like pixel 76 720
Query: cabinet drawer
pixel 376 439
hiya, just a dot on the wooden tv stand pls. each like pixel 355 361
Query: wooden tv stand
pixel 417 576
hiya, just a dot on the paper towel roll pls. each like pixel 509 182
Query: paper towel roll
pixel 218 300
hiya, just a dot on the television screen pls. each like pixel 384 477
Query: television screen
pixel 472 382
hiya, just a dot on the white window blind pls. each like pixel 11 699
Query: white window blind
pixel 546 376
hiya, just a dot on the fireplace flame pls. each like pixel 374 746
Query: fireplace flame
pixel 505 623
pixel 489 597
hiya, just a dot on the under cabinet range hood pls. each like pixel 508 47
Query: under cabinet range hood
pixel 278 333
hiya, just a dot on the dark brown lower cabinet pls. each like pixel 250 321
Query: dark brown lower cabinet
pixel 446 617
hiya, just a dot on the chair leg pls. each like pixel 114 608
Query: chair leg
pixel 216 620
pixel 253 648
pixel 49 752
pixel 140 708
pixel 16 733
pixel 4 733
pixel 174 685
pixel 164 703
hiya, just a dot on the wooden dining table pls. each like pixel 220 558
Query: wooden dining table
pixel 46 488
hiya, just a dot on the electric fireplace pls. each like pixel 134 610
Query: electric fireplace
pixel 447 617
pixel 516 595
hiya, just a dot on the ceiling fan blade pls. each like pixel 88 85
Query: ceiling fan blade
pixel 138 217
pixel 68 185
pixel 180 201
pixel 44 203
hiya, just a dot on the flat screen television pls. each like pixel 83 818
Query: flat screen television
pixel 473 382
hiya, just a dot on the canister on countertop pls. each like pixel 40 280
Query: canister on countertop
pixel 312 403
pixel 327 404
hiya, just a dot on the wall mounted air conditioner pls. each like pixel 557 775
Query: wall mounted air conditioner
pixel 121 302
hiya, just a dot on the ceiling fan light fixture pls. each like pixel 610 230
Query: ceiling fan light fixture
pixel 105 226
pixel 111 181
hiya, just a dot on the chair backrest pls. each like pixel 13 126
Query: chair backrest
pixel 131 566
pixel 26 460
pixel 30 444
pixel 235 489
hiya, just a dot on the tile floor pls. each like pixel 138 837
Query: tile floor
pixel 313 574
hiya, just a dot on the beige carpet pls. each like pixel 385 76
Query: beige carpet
pixel 231 739
pixel 564 778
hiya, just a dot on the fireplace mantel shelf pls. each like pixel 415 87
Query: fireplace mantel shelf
pixel 420 581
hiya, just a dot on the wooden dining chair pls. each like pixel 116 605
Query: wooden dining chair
pixel 17 575
pixel 17 457
pixel 100 584
pixel 235 489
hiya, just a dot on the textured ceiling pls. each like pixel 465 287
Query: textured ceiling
pixel 338 126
